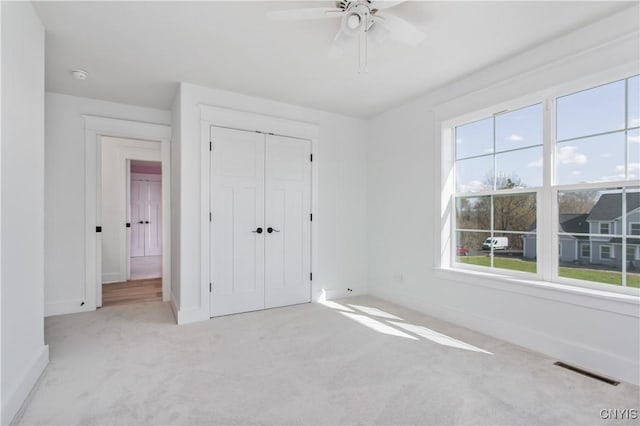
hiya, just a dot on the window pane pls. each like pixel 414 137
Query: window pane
pixel 475 174
pixel 516 252
pixel 469 248
pixel 519 169
pixel 633 86
pixel 588 212
pixel 514 213
pixel 519 128
pixel 587 258
pixel 473 213
pixel 595 159
pixel 592 111
pixel 633 143
pixel 474 138
pixel 633 214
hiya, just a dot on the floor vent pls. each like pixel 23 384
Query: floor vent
pixel 586 373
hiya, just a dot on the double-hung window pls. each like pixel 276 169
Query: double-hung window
pixel 561 171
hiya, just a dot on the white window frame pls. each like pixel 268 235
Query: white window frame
pixel 611 252
pixel 582 246
pixel 608 225
pixel 547 227
pixel 631 228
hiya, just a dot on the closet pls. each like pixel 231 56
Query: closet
pixel 260 228
pixel 146 215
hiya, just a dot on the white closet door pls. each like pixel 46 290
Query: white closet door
pixel 138 203
pixel 237 206
pixel 287 211
pixel 153 220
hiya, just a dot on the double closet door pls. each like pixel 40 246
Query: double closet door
pixel 260 229
pixel 146 217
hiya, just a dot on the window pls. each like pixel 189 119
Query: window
pixel 501 178
pixel 631 252
pixel 495 209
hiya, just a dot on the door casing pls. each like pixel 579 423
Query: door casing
pixel 95 128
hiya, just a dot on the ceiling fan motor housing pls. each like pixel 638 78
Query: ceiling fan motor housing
pixel 356 14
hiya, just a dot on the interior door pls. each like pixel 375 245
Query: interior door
pixel 237 228
pixel 139 191
pixel 288 221
pixel 153 220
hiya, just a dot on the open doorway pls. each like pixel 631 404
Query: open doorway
pixel 132 231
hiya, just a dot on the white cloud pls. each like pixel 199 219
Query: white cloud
pixel 634 166
pixel 570 155
pixel 473 186
pixel 537 163
pixel 605 155
pixel 634 122
pixel 576 173
pixel 459 141
pixel 635 139
pixel 514 138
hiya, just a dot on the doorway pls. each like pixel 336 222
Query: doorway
pixel 145 209
pixel 131 207
pixel 96 130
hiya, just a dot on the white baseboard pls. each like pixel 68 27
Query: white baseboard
pixel 112 277
pixel 68 307
pixel 589 358
pixel 13 398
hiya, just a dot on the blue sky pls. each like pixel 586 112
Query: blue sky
pixel 586 159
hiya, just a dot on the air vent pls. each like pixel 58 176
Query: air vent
pixel 586 373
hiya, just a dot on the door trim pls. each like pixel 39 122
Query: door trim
pixel 95 128
pixel 243 120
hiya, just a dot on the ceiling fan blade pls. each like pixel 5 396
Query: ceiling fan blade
pixel 307 13
pixel 386 4
pixel 399 29
pixel 339 44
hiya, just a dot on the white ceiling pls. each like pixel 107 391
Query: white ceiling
pixel 136 52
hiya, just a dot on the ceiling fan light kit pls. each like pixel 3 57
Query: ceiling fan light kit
pixel 360 19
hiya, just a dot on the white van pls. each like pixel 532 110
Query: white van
pixel 498 243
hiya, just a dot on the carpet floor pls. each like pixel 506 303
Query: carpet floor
pixel 354 361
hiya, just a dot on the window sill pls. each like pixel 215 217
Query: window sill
pixel 619 303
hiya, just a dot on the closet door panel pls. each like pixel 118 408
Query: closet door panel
pixel 137 204
pixel 287 211
pixel 153 211
pixel 237 207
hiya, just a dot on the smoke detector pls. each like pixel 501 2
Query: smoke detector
pixel 79 74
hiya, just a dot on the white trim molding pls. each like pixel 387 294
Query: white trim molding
pixel 95 128
pixel 15 398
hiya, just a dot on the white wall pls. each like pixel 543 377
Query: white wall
pixel 342 185
pixel 64 192
pixel 404 212
pixel 115 152
pixel 24 355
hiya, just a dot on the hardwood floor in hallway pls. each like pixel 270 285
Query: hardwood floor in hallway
pixel 135 291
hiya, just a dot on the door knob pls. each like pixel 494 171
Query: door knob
pixel 141 222
pixel 270 230
pixel 258 230
pixel 146 221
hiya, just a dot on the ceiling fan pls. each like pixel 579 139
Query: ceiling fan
pixel 361 19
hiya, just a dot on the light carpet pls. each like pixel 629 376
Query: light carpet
pixel 369 363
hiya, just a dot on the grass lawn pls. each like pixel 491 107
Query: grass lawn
pixel 607 277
